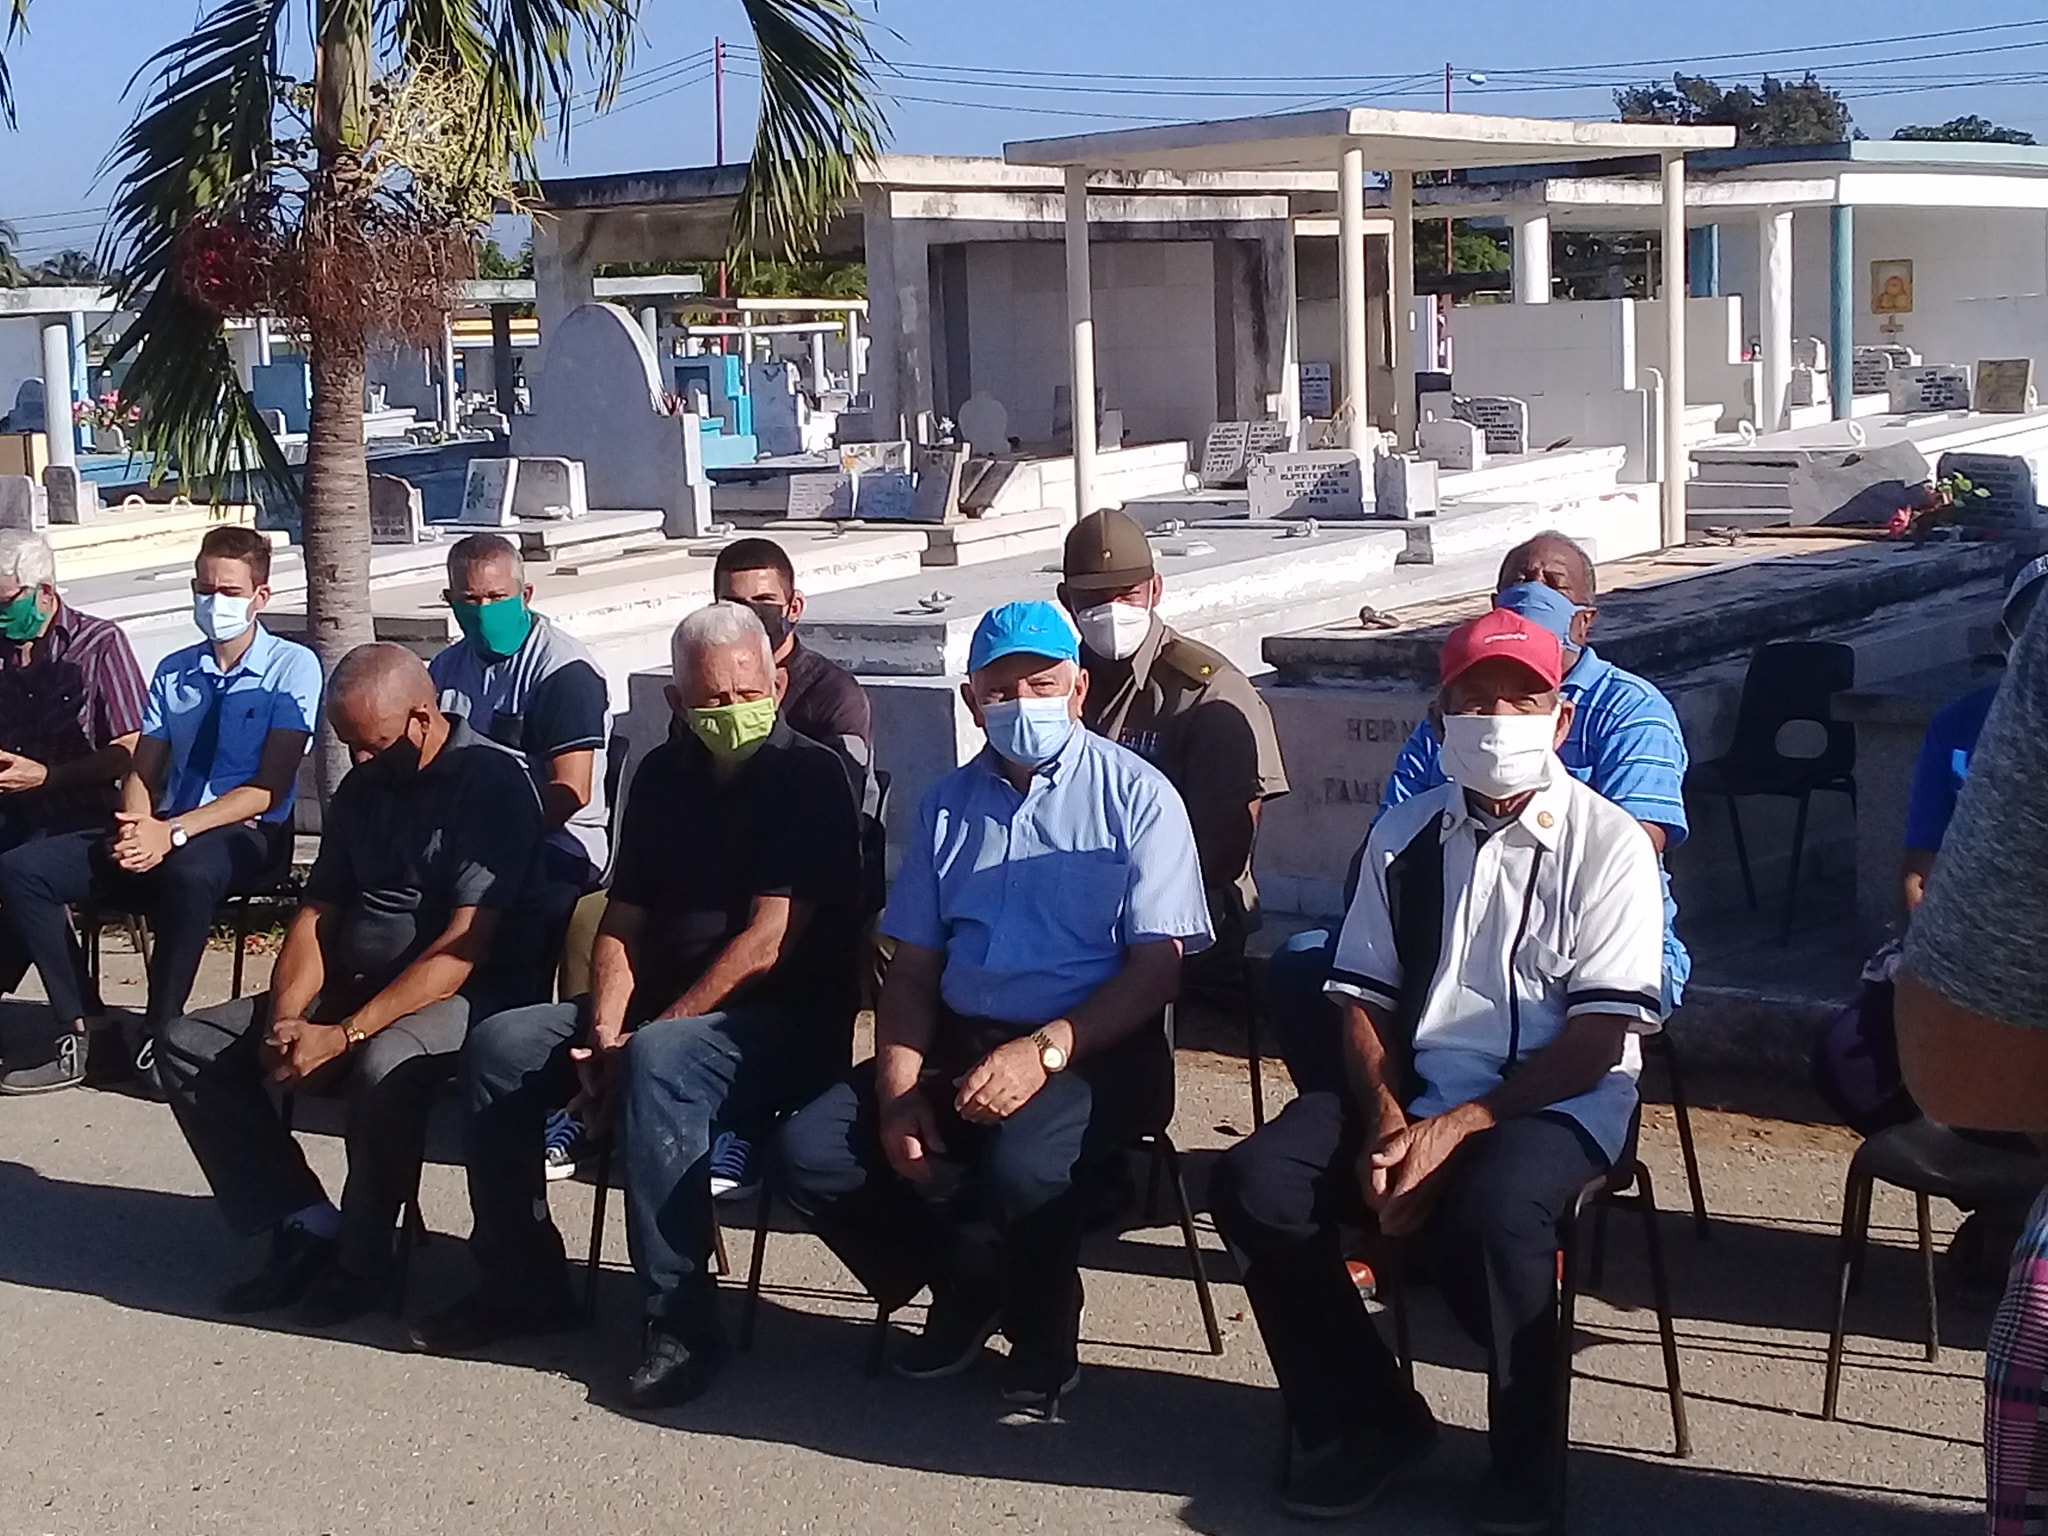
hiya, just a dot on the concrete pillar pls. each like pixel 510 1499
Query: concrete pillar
pixel 1774 278
pixel 1703 262
pixel 1081 342
pixel 57 395
pixel 501 357
pixel 820 378
pixel 899 375
pixel 564 276
pixel 1351 294
pixel 1675 462
pixel 1842 310
pixel 263 343
pixel 650 322
pixel 1403 200
pixel 451 394
pixel 1532 258
pixel 853 368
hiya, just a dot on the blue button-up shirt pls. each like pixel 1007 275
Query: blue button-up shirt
pixel 274 687
pixel 1034 897
pixel 1625 744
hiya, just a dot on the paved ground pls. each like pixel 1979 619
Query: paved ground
pixel 129 1406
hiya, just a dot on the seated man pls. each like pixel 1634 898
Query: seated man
pixel 1176 703
pixel 1046 895
pixel 71 706
pixel 529 686
pixel 723 987
pixel 820 698
pixel 1486 1086
pixel 1625 743
pixel 426 844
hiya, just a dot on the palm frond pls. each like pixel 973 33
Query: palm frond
pixel 17 23
pixel 819 121
pixel 201 144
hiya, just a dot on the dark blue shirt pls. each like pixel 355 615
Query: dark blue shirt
pixel 1943 764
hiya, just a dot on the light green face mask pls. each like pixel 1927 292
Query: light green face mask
pixel 21 619
pixel 733 732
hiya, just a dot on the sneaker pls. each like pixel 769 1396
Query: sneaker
pixel 734 1175
pixel 1347 1476
pixel 564 1140
pixel 962 1319
pixel 64 1069
pixel 296 1258
pixel 1031 1386
pixel 674 1368
pixel 1513 1504
pixel 1362 1277
pixel 487 1316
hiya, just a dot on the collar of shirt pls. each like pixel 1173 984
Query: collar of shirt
pixel 262 647
pixel 1047 774
pixel 51 644
pixel 1586 675
pixel 1541 818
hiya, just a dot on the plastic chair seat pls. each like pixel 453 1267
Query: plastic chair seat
pixel 1932 1159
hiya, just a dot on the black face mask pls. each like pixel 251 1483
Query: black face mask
pixel 775 619
pixel 396 764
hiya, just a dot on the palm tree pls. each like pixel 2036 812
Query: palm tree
pixel 73 268
pixel 12 273
pixel 348 204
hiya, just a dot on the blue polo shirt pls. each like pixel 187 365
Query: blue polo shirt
pixel 1624 744
pixel 1034 897
pixel 274 687
pixel 1943 764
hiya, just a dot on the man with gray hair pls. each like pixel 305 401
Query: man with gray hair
pixel 724 989
pixel 71 708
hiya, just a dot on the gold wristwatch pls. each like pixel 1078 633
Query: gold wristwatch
pixel 353 1032
pixel 1050 1056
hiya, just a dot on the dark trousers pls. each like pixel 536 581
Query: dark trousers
pixel 215 1080
pixel 1306 1026
pixel 1281 1197
pixel 685 1080
pixel 1025 1171
pixel 43 876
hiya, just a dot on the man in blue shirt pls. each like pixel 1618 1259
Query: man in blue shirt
pixel 1625 743
pixel 1048 892
pixel 207 805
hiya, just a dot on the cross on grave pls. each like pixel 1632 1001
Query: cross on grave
pixel 1503 418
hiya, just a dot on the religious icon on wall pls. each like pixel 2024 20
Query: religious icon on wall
pixel 1891 287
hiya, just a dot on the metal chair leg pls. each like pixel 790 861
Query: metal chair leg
pixel 1667 1330
pixel 1683 1113
pixel 1926 1215
pixel 1798 854
pixel 596 1259
pixel 750 1304
pixel 1741 852
pixel 1167 1154
pixel 721 1266
pixel 878 1343
pixel 412 1231
pixel 1596 1275
pixel 1250 992
pixel 1390 1273
pixel 1861 1249
pixel 1567 1330
pixel 1855 1214
pixel 241 912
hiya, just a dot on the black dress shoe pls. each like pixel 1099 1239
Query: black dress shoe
pixel 336 1297
pixel 487 1316
pixel 296 1256
pixel 964 1316
pixel 1513 1504
pixel 674 1367
pixel 1348 1475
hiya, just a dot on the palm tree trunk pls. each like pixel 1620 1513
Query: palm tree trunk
pixel 336 529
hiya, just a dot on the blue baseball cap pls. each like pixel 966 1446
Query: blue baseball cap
pixel 1540 604
pixel 1023 629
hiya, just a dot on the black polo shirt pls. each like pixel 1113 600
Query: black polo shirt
pixel 823 700
pixel 400 852
pixel 694 852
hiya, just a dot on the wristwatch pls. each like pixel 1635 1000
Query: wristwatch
pixel 1050 1056
pixel 353 1032
pixel 179 836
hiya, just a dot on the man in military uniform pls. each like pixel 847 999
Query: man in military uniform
pixel 1175 702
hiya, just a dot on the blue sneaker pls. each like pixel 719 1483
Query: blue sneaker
pixel 733 1173
pixel 564 1140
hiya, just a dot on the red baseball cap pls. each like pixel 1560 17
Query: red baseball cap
pixel 1501 632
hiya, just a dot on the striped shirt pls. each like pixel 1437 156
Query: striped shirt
pixel 1546 918
pixel 65 696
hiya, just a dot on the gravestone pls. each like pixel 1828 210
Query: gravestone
pixel 888 495
pixel 1268 437
pixel 550 490
pixel 28 410
pixel 1063 411
pixel 1223 454
pixel 938 483
pixel 865 458
pixel 396 515
pixel 2014 501
pixel 1453 444
pixel 1870 371
pixel 778 413
pixel 1403 486
pixel 1810 352
pixel 72 497
pixel 1902 357
pixel 1807 387
pixel 1859 487
pixel 2005 385
pixel 1938 387
pixel 985 423
pixel 1326 484
pixel 816 494
pixel 23 504
pixel 274 420
pixel 109 440
pixel 1316 396
pixel 487 493
pixel 497 423
pixel 692 519
pixel 1503 418
pixel 1109 430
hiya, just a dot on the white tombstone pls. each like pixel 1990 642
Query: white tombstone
pixel 938 483
pixel 1870 370
pixel 1269 437
pixel 1810 352
pixel 1806 387
pixel 778 407
pixel 396 515
pixel 692 519
pixel 2005 385
pixel 1503 418
pixel 275 421
pixel 1316 397
pixel 985 423
pixel 816 494
pixel 494 422
pixel 23 504
pixel 487 493
pixel 1329 484
pixel 72 498
pixel 1453 444
pixel 550 490
pixel 1403 486
pixel 109 440
pixel 1223 454
pixel 1935 387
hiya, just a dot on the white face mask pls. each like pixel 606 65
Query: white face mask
pixel 1499 756
pixel 220 618
pixel 1115 630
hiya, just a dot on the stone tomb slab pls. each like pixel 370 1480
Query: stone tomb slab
pixel 1223 454
pixel 1934 387
pixel 549 490
pixel 888 495
pixel 1317 397
pixel 487 493
pixel 2014 501
pixel 823 494
pixel 2005 385
pixel 23 504
pixel 1453 444
pixel 1503 418
pixel 938 470
pixel 1328 483
pixel 396 512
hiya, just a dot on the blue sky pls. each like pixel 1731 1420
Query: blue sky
pixel 71 70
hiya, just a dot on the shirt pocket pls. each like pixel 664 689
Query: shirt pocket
pixel 1061 907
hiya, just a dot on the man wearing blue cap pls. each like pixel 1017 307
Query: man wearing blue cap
pixel 1625 743
pixel 1047 894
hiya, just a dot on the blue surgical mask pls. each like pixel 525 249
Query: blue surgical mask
pixel 1029 732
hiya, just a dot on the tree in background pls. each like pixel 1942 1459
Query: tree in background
pixel 492 262
pixel 1971 129
pixel 1779 112
pixel 71 269
pixel 12 273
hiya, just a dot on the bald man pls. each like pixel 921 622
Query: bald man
pixel 404 936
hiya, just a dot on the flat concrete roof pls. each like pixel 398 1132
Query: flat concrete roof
pixel 17 302
pixel 1392 140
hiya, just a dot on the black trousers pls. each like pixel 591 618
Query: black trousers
pixel 1024 1173
pixel 1281 1196
pixel 43 876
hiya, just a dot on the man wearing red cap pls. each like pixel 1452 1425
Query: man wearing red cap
pixel 1504 948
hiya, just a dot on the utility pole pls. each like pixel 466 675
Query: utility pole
pixel 718 127
pixel 1450 261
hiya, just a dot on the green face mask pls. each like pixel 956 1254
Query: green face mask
pixel 734 732
pixel 22 619
pixel 500 627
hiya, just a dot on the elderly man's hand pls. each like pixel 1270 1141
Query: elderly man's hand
pixel 18 773
pixel 910 1135
pixel 301 1048
pixel 1409 1161
pixel 1001 1084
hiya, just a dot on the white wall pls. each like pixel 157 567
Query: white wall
pixel 21 357
pixel 1714 370
pixel 1533 349
pixel 1155 332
